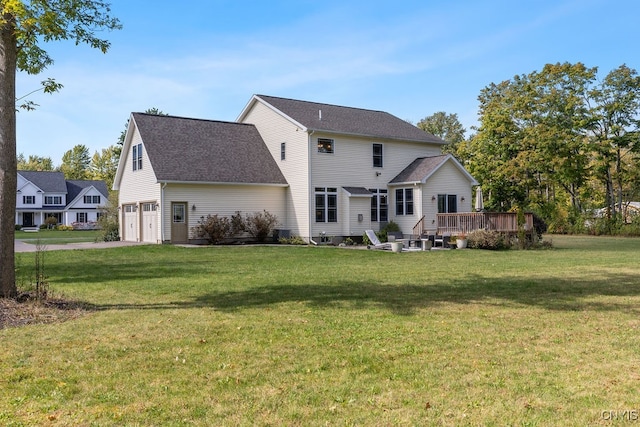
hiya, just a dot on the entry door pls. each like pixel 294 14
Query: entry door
pixel 179 228
pixel 27 219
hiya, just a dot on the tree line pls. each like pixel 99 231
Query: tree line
pixel 560 142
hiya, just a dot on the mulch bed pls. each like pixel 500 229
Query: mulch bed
pixel 25 310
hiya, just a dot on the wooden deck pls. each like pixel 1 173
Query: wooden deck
pixel 458 223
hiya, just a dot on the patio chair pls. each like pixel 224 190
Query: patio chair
pixel 375 242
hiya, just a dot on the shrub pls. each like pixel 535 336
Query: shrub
pixel 108 221
pixel 51 222
pixel 213 228
pixel 487 239
pixel 18 227
pixel 293 240
pixel 260 225
pixel 390 227
pixel 43 226
pixel 64 227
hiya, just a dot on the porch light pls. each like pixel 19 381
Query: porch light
pixel 462 199
pixel 193 207
pixel 433 198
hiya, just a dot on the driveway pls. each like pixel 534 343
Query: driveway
pixel 26 247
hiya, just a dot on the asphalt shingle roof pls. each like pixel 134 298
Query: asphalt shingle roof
pixel 351 121
pixel 195 150
pixel 47 181
pixel 419 169
pixel 75 187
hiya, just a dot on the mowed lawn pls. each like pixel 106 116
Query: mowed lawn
pixel 315 336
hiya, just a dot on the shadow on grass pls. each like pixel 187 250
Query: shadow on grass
pixel 405 299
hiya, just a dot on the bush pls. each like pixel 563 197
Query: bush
pixel 64 228
pixel 213 228
pixel 293 240
pixel 18 227
pixel 487 239
pixel 260 225
pixel 390 227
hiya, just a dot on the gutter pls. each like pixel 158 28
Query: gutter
pixel 309 144
pixel 164 184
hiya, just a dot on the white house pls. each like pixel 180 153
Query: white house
pixel 43 194
pixel 323 170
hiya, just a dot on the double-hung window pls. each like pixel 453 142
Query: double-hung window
pixel 326 204
pixel 92 200
pixel 377 155
pixel 81 217
pixel 404 201
pixel 283 150
pixel 137 157
pixel 29 200
pixel 379 205
pixel 447 203
pixel 52 200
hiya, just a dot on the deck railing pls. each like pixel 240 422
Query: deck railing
pixel 503 222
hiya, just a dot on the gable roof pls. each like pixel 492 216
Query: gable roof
pixel 314 116
pixel 47 181
pixel 208 151
pixel 77 187
pixel 422 168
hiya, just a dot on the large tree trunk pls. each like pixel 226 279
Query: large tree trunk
pixel 8 167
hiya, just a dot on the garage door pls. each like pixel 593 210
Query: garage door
pixel 149 229
pixel 129 228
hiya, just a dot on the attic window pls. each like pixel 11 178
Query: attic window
pixel 325 145
pixel 137 157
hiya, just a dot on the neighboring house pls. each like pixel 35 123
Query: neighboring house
pixel 323 170
pixel 47 194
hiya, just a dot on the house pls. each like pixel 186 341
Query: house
pixel 324 170
pixel 43 194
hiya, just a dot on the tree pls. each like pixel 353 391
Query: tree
pixel 615 128
pixel 76 162
pixel 24 26
pixel 34 163
pixel 104 165
pixel 445 126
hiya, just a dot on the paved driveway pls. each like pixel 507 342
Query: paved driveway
pixel 26 247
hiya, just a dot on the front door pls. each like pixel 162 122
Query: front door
pixel 27 219
pixel 179 228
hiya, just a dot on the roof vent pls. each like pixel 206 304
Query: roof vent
pixel 320 115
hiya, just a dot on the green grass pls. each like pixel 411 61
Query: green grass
pixel 305 336
pixel 55 237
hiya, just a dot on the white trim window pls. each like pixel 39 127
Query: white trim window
pixel 283 151
pixel 326 145
pixel 137 157
pixel 81 217
pixel 377 156
pixel 326 204
pixel 95 200
pixel 379 205
pixel 29 200
pixel 404 201
pixel 52 200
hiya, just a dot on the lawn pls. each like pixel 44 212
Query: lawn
pixel 283 335
pixel 55 237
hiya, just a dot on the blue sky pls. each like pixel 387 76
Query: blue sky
pixel 206 58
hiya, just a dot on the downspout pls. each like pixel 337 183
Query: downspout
pixel 309 187
pixel 161 212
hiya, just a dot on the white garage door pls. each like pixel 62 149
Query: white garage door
pixel 149 223
pixel 129 228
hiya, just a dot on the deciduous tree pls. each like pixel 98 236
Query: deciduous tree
pixel 25 25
